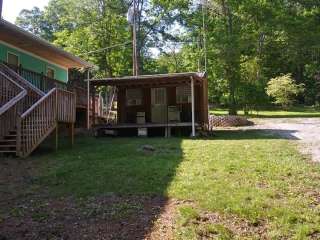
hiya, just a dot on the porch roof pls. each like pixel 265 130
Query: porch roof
pixel 17 37
pixel 151 80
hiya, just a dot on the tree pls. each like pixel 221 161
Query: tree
pixel 34 21
pixel 284 90
pixel 248 42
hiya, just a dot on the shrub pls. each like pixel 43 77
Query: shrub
pixel 284 90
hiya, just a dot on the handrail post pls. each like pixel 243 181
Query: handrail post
pixel 56 112
pixel 19 136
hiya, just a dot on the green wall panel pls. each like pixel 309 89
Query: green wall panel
pixel 33 63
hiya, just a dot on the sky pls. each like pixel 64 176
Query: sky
pixel 12 8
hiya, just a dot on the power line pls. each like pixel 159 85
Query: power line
pixel 106 48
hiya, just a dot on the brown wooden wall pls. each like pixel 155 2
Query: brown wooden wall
pixel 127 114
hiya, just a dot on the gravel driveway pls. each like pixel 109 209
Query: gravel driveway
pixel 305 130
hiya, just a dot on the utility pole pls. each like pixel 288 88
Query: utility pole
pixel 134 39
pixel 204 29
pixel 1 2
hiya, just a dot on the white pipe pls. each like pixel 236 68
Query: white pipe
pixel 192 108
pixel 88 100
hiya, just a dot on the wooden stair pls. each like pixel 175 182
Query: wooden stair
pixel 8 144
pixel 27 115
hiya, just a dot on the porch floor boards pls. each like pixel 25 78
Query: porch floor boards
pixel 146 125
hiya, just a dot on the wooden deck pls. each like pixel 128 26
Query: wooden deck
pixel 28 115
pixel 166 126
pixel 146 125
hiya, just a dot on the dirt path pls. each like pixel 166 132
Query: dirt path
pixel 304 130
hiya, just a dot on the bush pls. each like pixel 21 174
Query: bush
pixel 284 90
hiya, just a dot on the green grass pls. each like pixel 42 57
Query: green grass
pixel 276 113
pixel 251 175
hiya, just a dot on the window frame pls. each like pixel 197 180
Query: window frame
pixel 138 102
pixel 14 54
pixel 188 96
pixel 53 70
pixel 154 101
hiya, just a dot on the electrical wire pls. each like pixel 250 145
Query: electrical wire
pixel 106 48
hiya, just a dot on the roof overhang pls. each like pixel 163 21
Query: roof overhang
pixel 21 39
pixel 151 80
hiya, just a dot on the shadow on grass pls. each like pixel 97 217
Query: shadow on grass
pixel 241 134
pixel 113 188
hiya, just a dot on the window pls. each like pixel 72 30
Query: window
pixel 50 73
pixel 183 94
pixel 159 96
pixel 134 97
pixel 13 59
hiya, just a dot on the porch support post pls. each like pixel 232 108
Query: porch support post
pixel 192 108
pixel 88 100
pixel 93 106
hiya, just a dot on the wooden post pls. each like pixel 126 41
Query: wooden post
pixel 88 100
pixel 72 133
pixel 19 152
pixel 192 108
pixel 57 127
pixel 93 106
pixel 57 136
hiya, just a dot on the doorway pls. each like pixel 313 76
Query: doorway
pixel 159 105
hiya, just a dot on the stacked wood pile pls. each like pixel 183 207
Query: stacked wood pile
pixel 228 121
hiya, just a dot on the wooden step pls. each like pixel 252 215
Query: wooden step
pixel 8 151
pixel 7 140
pixel 8 146
pixel 10 137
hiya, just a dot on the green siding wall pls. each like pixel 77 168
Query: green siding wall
pixel 33 63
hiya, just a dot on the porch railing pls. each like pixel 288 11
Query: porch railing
pixel 11 96
pixel 39 80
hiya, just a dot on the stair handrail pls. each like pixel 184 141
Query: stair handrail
pixel 15 98
pixel 10 110
pixel 21 80
pixel 38 103
pixel 36 124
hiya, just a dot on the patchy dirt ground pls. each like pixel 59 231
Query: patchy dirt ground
pixel 304 130
pixel 28 211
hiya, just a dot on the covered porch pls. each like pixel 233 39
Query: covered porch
pixel 149 104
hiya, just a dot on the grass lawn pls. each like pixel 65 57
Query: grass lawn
pixel 236 180
pixel 291 113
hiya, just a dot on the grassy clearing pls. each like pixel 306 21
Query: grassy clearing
pixel 250 176
pixel 291 113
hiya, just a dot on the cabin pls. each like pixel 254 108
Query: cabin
pixel 36 92
pixel 152 105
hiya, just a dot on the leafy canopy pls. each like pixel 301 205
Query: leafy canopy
pixel 284 89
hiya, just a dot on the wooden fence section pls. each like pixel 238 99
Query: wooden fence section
pixel 66 106
pixel 11 96
pixel 41 81
pixel 81 93
pixel 42 118
pixel 43 84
